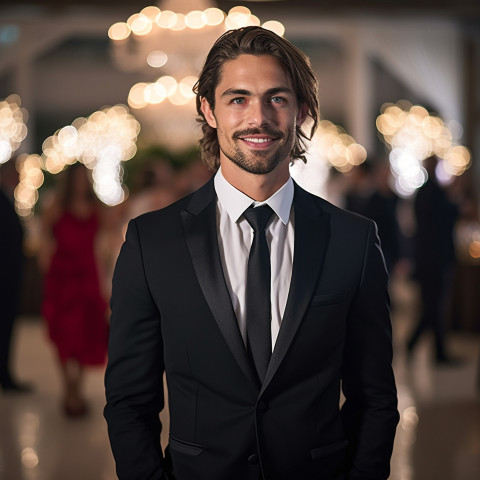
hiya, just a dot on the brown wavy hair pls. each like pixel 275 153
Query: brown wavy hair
pixel 255 41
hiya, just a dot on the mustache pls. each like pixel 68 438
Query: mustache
pixel 258 131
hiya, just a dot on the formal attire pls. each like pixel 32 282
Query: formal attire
pixel 382 210
pixel 11 262
pixel 434 254
pixel 178 305
pixel 73 305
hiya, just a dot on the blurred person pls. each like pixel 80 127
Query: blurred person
pixel 434 254
pixel 153 189
pixel 192 177
pixel 359 188
pixel 200 291
pixel 11 263
pixel 73 305
pixel 370 195
pixel 464 311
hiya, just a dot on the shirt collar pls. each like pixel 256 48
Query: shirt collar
pixel 236 202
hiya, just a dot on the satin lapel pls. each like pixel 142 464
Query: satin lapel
pixel 311 238
pixel 199 220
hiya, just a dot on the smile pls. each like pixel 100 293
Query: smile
pixel 257 140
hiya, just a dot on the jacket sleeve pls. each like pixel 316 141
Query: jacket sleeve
pixel 134 374
pixel 370 412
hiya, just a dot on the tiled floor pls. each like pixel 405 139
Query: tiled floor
pixel 438 437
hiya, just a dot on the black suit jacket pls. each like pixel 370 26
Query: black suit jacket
pixel 171 311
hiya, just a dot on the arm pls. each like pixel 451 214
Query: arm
pixel 134 376
pixel 370 411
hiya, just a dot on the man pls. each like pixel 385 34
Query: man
pixel 11 261
pixel 434 255
pixel 185 302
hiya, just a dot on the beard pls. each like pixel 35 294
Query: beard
pixel 260 162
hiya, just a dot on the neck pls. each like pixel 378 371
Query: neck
pixel 257 187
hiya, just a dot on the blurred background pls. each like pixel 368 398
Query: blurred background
pixel 97 125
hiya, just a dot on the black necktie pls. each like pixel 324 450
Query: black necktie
pixel 258 308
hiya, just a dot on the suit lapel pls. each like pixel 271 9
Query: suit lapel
pixel 311 236
pixel 200 223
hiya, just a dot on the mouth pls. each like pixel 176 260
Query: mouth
pixel 257 140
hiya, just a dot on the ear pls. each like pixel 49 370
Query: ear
pixel 208 113
pixel 302 114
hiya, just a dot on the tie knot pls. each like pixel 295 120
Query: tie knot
pixel 258 217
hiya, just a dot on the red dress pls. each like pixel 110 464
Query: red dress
pixel 73 306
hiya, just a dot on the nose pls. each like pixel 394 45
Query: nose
pixel 258 114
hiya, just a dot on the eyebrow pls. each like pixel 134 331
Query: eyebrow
pixel 271 91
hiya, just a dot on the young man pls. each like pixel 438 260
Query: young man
pixel 258 327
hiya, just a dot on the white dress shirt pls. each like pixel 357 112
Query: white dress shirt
pixel 235 237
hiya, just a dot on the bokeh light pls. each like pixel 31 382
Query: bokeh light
pixel 175 42
pixel 166 87
pixel 330 147
pixel 413 134
pixel 13 129
pixel 102 142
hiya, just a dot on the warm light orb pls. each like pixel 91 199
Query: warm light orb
pixel 169 83
pixel 119 31
pixel 186 86
pixel 136 96
pixel 157 58
pixel 275 27
pixel 180 23
pixel 195 20
pixel 155 93
pixel 150 12
pixel 240 10
pixel 30 180
pixel 13 129
pixel 166 19
pixel 140 24
pixel 213 16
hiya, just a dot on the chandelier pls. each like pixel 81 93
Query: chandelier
pixel 173 40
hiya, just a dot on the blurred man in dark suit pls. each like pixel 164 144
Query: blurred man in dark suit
pixel 11 256
pixel 434 255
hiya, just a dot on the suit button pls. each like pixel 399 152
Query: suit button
pixel 253 459
pixel 262 407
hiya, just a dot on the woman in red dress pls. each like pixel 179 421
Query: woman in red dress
pixel 73 305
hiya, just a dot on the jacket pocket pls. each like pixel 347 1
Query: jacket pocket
pixel 328 299
pixel 329 449
pixel 188 448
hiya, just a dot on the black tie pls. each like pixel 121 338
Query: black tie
pixel 258 310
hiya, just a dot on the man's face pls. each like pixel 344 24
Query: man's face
pixel 256 113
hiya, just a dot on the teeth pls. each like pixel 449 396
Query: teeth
pixel 258 140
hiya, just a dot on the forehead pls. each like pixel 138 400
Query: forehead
pixel 253 73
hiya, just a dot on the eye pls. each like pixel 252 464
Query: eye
pixel 238 101
pixel 277 100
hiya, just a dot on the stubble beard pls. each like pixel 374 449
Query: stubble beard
pixel 259 162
